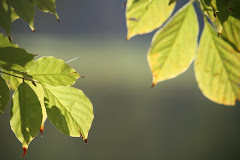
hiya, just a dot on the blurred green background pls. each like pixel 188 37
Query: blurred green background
pixel 132 120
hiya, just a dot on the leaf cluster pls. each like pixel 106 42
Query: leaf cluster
pixel 175 45
pixel 42 88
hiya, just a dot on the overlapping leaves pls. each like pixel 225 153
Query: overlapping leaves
pixel 174 46
pixel 11 10
pixel 42 89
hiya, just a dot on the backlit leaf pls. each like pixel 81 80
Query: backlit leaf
pixel 174 46
pixel 24 9
pixel 53 71
pixel 231 31
pixel 25 114
pixel 12 81
pixel 69 110
pixel 4 95
pixel 143 16
pixel 217 68
pixel 15 59
pixel 47 6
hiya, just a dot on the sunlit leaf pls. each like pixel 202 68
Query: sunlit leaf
pixel 5 16
pixel 14 15
pixel 69 110
pixel 217 68
pixel 47 6
pixel 53 71
pixel 143 16
pixel 25 114
pixel 4 42
pixel 231 31
pixel 15 59
pixel 4 95
pixel 174 46
pixel 24 9
pixel 12 81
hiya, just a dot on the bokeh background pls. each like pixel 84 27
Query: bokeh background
pixel 172 121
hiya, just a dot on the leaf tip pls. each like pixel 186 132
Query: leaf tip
pixel 58 20
pixel 34 30
pixel 86 141
pixel 24 151
pixel 153 85
pixel 83 76
pixel 42 129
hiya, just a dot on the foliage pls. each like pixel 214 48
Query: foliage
pixel 42 87
pixel 175 45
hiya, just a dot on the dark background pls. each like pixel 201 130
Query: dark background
pixel 172 121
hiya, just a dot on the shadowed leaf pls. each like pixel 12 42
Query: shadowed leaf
pixel 4 95
pixel 25 114
pixel 15 59
pixel 69 110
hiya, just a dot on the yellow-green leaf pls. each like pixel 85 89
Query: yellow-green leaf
pixel 174 46
pixel 53 71
pixel 25 114
pixel 231 31
pixel 143 16
pixel 69 110
pixel 4 95
pixel 217 68
pixel 13 82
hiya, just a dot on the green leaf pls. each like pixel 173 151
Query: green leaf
pixel 47 6
pixel 4 95
pixel 5 16
pixel 15 59
pixel 174 46
pixel 143 16
pixel 13 82
pixel 69 110
pixel 217 68
pixel 14 15
pixel 25 114
pixel 231 32
pixel 53 71
pixel 24 9
pixel 4 42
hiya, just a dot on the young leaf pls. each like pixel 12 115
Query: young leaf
pixel 53 71
pixel 47 6
pixel 217 68
pixel 24 9
pixel 4 42
pixel 12 81
pixel 25 114
pixel 231 32
pixel 4 95
pixel 69 110
pixel 174 46
pixel 15 59
pixel 143 16
pixel 5 16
